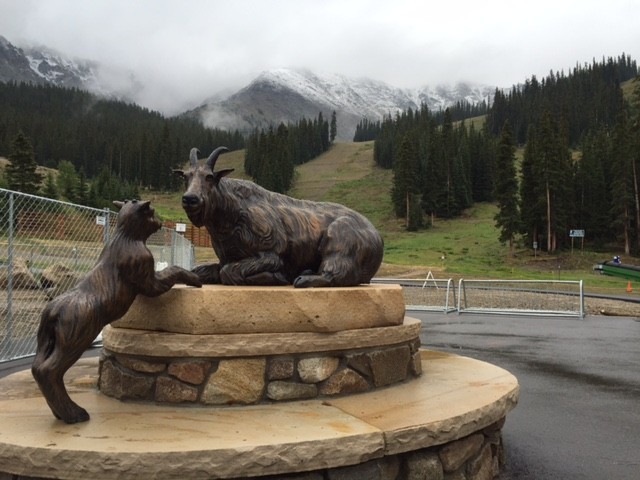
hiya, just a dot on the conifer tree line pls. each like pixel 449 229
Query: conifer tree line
pixel 368 130
pixel 440 169
pixel 587 98
pixel 114 146
pixel 568 179
pixel 270 156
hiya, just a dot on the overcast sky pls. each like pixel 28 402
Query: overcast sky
pixel 184 51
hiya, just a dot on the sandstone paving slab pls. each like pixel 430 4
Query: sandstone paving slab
pixel 167 442
pixel 454 397
pixel 163 344
pixel 215 309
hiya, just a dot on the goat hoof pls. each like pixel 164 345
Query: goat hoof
pixel 310 281
pixel 78 416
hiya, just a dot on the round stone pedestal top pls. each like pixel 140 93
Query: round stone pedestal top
pixel 454 397
pixel 218 309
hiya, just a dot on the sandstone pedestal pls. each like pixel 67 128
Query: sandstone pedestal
pixel 222 345
pixel 446 421
pixel 322 383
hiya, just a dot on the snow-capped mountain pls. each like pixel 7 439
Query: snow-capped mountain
pixel 286 95
pixel 41 65
pixel 280 95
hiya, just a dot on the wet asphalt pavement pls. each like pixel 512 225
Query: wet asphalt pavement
pixel 579 411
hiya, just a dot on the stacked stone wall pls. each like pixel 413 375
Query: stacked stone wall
pixel 257 379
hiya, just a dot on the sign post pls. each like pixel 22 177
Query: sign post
pixel 577 234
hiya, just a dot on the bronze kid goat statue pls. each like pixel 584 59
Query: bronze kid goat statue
pixel 265 238
pixel 71 321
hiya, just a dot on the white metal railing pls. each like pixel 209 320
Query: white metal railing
pixel 515 297
pixel 523 297
pixel 430 294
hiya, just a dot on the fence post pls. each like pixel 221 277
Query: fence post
pixel 10 246
pixel 174 240
pixel 107 225
pixel 461 293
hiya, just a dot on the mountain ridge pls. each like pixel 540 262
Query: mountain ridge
pixel 287 95
pixel 275 96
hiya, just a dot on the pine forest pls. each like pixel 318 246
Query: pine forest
pixel 579 167
pixel 554 154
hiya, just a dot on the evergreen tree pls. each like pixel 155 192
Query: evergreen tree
pixel 592 200
pixel 333 129
pixel 406 185
pixel 447 203
pixel 83 189
pixel 107 187
pixel 506 193
pixel 68 181
pixel 622 184
pixel 283 166
pixel 462 169
pixel 547 184
pixel 165 160
pixel 323 127
pixel 50 190
pixel 21 173
pixel 252 154
pixel 634 135
pixel 482 167
pixel 531 205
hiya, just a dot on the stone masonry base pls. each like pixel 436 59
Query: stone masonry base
pixel 252 380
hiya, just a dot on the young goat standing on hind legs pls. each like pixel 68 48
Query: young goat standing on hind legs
pixel 71 321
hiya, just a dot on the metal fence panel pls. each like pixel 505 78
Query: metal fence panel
pixel 436 295
pixel 522 297
pixel 46 246
pixel 515 297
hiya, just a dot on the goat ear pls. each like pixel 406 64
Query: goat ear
pixel 118 204
pixel 222 173
pixel 178 173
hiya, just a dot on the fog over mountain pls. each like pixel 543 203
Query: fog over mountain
pixel 287 95
pixel 278 95
pixel 41 65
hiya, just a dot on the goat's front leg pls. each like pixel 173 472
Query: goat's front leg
pixel 264 269
pixel 208 273
pixel 162 281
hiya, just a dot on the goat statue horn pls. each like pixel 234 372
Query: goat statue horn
pixel 193 157
pixel 211 161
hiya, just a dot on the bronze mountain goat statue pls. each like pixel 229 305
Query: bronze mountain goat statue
pixel 71 321
pixel 265 238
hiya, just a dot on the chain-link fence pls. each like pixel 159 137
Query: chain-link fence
pixel 46 246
